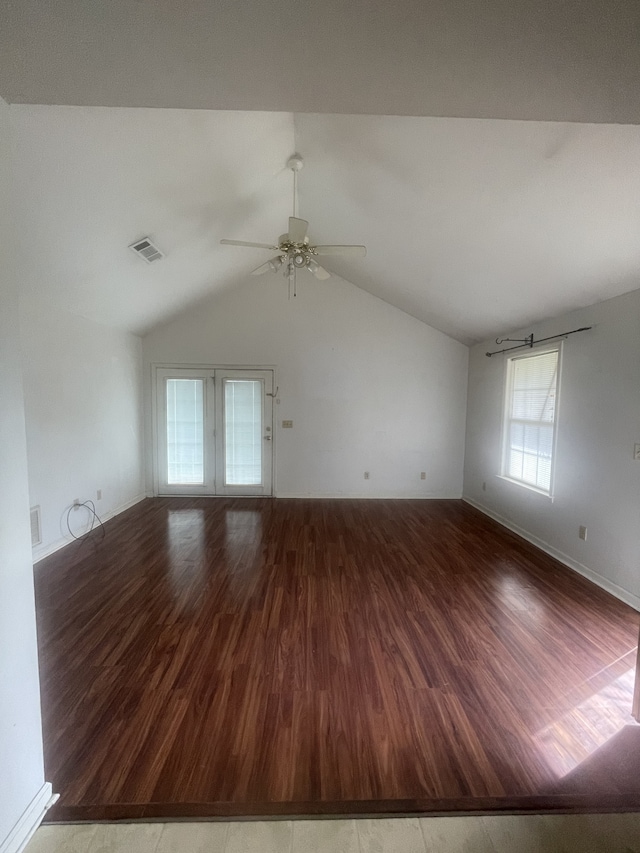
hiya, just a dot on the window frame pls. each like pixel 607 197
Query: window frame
pixel 507 386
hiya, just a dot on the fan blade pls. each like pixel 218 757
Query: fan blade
pixel 297 229
pixel 271 266
pixel 249 245
pixel 355 251
pixel 322 273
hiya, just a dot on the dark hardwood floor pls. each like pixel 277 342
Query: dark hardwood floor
pixel 215 657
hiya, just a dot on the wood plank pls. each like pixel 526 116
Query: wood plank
pixel 256 656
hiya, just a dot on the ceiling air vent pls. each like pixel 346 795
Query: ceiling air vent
pixel 147 250
pixel 36 527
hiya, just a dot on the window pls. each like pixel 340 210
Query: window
pixel 530 419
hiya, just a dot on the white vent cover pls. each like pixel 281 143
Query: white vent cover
pixel 36 527
pixel 146 249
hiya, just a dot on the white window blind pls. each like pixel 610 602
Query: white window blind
pixel 530 419
pixel 243 432
pixel 185 431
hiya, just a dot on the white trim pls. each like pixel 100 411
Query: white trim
pixel 31 819
pixel 60 543
pixel 524 485
pixel 586 572
pixel 214 497
pixel 201 366
pixel 358 496
pixel 351 496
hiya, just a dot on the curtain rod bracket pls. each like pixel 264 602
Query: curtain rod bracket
pixel 529 340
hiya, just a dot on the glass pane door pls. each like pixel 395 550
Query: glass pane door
pixel 185 457
pixel 244 447
pixel 213 431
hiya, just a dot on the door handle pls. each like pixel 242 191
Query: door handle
pixel 267 438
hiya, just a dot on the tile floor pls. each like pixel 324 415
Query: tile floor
pixel 618 833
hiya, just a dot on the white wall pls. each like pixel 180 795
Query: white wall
pixel 21 762
pixel 83 404
pixel 368 387
pixel 597 482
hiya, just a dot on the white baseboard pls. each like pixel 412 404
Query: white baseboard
pixel 31 819
pixel 615 590
pixel 61 543
pixel 360 497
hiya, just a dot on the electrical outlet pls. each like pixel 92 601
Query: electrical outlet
pixel 582 533
pixel 484 485
pixel 423 475
pixel 99 495
pixel 366 475
pixel 636 452
pixel 76 502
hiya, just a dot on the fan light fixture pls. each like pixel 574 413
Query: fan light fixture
pixel 294 249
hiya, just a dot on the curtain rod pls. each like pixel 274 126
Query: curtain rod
pixel 529 340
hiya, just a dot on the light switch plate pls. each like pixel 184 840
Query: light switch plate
pixel 636 452
pixel 287 424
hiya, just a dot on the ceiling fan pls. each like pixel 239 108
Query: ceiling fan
pixel 295 252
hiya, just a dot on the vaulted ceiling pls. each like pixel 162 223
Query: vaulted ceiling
pixel 476 221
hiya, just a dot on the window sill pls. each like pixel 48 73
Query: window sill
pixel 526 486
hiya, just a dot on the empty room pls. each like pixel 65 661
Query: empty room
pixel 320 436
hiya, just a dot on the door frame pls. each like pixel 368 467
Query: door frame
pixel 159 366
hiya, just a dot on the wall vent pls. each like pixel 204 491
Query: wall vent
pixel 146 249
pixel 36 527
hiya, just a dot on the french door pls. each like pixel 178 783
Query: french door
pixel 214 431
